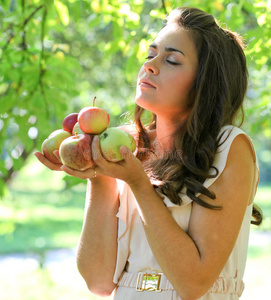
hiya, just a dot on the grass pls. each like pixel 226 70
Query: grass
pixel 54 282
pixel 41 224
pixel 38 215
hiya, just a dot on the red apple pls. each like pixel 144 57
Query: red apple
pixel 93 120
pixel 75 152
pixel 76 129
pixel 69 122
pixel 52 143
pixel 112 139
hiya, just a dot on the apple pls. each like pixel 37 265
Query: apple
pixel 75 152
pixel 112 139
pixel 76 129
pixel 69 122
pixel 93 120
pixel 52 143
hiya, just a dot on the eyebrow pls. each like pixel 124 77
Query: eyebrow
pixel 168 49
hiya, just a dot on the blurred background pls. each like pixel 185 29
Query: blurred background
pixel 55 56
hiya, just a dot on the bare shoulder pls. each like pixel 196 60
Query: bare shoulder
pixel 241 148
pixel 237 181
pixel 238 175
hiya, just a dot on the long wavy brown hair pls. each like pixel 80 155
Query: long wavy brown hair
pixel 216 99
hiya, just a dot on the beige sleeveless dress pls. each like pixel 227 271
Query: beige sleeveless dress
pixel 135 256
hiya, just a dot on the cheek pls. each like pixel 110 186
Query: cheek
pixel 180 89
pixel 186 82
pixel 140 73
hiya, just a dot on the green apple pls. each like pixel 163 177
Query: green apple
pixel 112 139
pixel 75 152
pixel 52 143
pixel 76 129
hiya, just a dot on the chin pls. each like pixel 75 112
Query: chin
pixel 147 107
pixel 143 103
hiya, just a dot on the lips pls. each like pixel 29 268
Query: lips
pixel 144 82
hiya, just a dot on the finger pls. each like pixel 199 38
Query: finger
pixel 52 166
pixel 56 154
pixel 126 153
pixel 87 174
pixel 96 151
pixel 70 171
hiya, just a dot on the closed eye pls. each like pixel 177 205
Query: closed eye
pixel 168 61
pixel 173 63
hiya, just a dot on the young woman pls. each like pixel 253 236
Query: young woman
pixel 176 217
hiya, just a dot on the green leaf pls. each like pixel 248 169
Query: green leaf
pixel 72 181
pixel 7 103
pixel 93 20
pixel 3 187
pixel 63 12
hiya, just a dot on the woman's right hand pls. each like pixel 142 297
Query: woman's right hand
pixel 87 174
pixel 52 166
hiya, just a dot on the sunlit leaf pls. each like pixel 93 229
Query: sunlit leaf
pixel 262 19
pixel 63 12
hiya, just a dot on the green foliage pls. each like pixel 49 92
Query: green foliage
pixel 55 56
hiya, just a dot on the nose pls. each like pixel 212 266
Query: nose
pixel 151 67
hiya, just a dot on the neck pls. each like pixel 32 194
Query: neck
pixel 164 131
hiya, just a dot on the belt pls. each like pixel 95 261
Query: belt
pixel 145 282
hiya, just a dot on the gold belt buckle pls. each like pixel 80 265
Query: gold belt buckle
pixel 148 282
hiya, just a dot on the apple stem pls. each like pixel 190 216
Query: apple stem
pixel 94 100
pixel 76 135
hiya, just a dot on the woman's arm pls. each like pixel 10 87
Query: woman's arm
pixel 97 251
pixel 192 261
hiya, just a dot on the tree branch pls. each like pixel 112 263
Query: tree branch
pixel 42 69
pixel 12 35
pixel 31 16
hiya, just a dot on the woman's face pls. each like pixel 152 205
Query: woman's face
pixel 165 79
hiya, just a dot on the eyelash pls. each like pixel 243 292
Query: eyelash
pixel 173 63
pixel 169 61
